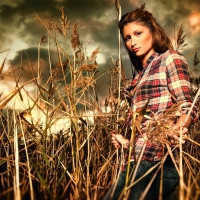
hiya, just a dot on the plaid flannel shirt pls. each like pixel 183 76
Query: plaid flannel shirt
pixel 165 76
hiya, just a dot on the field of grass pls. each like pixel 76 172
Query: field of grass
pixel 59 147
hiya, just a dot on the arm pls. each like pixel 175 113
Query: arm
pixel 178 81
pixel 177 127
pixel 182 119
pixel 179 86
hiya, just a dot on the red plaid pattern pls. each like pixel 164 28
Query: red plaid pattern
pixel 164 80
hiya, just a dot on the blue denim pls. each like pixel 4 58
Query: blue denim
pixel 170 181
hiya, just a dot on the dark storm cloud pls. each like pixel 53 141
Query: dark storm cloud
pixel 20 20
pixel 97 19
pixel 21 30
pixel 22 16
pixel 27 59
pixel 170 12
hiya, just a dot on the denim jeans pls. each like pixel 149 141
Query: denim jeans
pixel 170 181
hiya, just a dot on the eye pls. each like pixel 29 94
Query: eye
pixel 138 33
pixel 127 38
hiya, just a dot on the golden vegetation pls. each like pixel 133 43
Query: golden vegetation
pixel 77 161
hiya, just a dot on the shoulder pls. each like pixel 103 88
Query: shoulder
pixel 173 56
pixel 175 63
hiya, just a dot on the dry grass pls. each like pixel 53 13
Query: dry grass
pixel 77 161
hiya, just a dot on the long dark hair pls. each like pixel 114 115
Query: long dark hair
pixel 161 42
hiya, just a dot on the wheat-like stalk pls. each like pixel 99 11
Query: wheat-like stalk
pixel 59 153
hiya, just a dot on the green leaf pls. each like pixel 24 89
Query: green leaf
pixel 46 160
pixel 43 182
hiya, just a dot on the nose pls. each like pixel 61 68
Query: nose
pixel 133 43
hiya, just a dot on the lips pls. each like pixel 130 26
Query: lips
pixel 136 49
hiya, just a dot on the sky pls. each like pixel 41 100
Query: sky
pixel 21 30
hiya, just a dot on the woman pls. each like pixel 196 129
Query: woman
pixel 162 81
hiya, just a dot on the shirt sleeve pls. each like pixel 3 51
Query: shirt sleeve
pixel 178 80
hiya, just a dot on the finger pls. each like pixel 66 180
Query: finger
pixel 178 130
pixel 112 133
pixel 116 145
pixel 115 142
pixel 172 142
pixel 184 130
pixel 180 140
pixel 119 137
pixel 113 138
pixel 185 136
pixel 176 137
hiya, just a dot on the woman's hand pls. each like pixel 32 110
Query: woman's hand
pixel 118 139
pixel 180 128
pixel 175 134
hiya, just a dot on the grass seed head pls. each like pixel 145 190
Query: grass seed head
pixel 65 23
pixel 180 38
pixel 87 67
pixel 75 42
pixel 84 82
pixel 94 54
pixel 57 71
pixel 160 125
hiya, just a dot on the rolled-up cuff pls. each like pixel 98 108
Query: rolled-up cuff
pixel 186 107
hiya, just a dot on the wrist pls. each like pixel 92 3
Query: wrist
pixel 127 145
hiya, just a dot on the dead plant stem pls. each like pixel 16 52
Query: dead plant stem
pixel 181 189
pixel 16 152
pixel 28 164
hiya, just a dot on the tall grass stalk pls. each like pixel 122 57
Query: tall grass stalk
pixel 150 170
pixel 161 180
pixel 88 167
pixel 17 191
pixel 28 164
pixel 118 7
pixel 143 195
pixel 38 77
pixel 75 160
pixel 135 170
pixel 181 190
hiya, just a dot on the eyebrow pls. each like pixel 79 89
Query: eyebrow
pixel 137 30
pixel 134 31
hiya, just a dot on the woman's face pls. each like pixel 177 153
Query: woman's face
pixel 138 40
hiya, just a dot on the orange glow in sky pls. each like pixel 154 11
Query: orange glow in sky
pixel 195 22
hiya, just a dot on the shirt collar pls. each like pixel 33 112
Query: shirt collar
pixel 153 55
